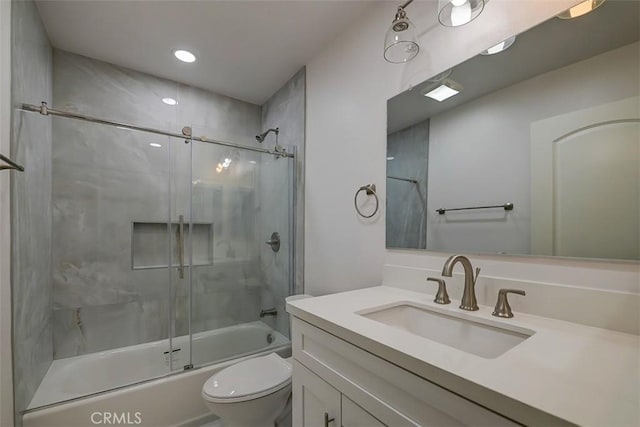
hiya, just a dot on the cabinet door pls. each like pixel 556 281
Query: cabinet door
pixel 355 416
pixel 315 402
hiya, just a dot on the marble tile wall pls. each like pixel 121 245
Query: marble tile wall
pixel 286 109
pixel 406 208
pixel 105 178
pixel 31 205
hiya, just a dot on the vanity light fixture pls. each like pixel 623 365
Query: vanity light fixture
pixel 503 45
pixel 169 101
pixel 184 55
pixel 445 90
pixel 580 9
pixel 454 13
pixel 401 42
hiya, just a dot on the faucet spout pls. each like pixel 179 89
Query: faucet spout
pixel 268 312
pixel 469 301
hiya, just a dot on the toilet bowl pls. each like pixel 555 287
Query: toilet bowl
pixel 252 393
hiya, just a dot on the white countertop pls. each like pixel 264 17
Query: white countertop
pixel 579 374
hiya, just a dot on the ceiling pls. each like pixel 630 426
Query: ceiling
pixel 551 45
pixel 246 49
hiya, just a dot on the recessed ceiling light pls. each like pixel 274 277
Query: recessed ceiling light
pixel 184 55
pixel 503 45
pixel 580 9
pixel 446 90
pixel 169 101
pixel 155 144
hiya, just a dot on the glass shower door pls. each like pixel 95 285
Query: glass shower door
pixel 111 243
pixel 240 200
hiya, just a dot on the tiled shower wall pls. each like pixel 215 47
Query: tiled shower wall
pixel 105 179
pixel 286 111
pixel 30 206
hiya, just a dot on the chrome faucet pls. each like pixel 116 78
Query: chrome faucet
pixel 469 301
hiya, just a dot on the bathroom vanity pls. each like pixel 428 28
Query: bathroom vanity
pixel 389 356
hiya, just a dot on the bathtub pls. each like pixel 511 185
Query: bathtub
pixel 136 384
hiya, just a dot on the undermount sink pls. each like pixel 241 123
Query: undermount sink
pixel 483 338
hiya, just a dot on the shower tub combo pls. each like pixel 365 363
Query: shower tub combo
pixel 168 246
pixel 163 401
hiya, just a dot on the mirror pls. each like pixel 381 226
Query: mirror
pixel 533 150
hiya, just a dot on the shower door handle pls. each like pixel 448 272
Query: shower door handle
pixel 181 246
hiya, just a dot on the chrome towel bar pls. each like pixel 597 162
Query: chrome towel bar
pixel 10 164
pixel 506 207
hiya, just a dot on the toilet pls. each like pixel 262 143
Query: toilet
pixel 252 393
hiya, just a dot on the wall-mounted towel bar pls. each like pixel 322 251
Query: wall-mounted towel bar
pixel 412 180
pixel 10 164
pixel 506 207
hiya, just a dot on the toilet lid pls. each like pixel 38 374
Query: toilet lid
pixel 249 379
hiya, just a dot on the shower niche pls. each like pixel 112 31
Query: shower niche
pixel 149 244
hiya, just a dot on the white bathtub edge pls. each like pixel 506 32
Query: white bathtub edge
pixel 170 401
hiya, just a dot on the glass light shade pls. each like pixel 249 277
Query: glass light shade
pixel 581 9
pixel 453 13
pixel 401 42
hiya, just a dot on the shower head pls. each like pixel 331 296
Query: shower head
pixel 263 135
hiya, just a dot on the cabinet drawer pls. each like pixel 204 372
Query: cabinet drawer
pixel 391 394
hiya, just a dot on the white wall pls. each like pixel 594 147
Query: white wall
pixel 348 84
pixel 6 371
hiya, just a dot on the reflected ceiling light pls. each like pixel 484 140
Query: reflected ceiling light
pixel 223 165
pixel 155 144
pixel 443 91
pixel 253 162
pixel 401 41
pixel 390 158
pixel 453 13
pixel 580 9
pixel 503 45
pixel 169 101
pixel 184 55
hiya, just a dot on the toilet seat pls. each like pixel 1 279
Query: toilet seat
pixel 248 380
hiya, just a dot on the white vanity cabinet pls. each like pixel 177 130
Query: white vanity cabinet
pixel 355 388
pixel 316 403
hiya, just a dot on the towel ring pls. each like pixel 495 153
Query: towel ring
pixel 370 189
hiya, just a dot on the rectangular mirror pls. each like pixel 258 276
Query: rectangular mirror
pixel 530 148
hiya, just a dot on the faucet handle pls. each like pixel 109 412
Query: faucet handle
pixel 503 309
pixel 441 297
pixel 475 278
